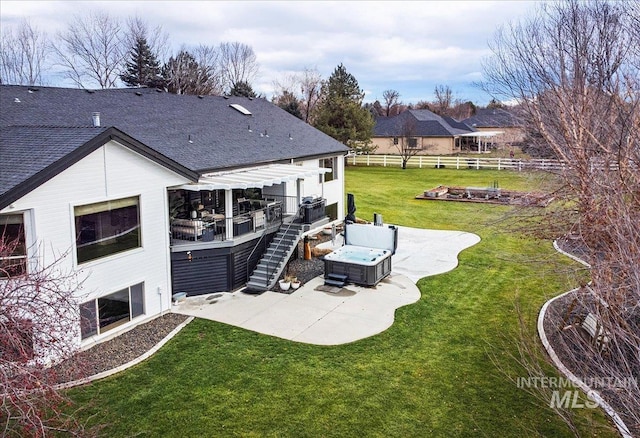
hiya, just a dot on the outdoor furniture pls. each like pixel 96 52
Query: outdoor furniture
pixel 592 326
pixel 244 205
pixel 187 229
pixel 241 225
pixel 258 219
pixel 274 210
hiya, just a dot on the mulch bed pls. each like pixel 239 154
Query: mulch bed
pixel 563 330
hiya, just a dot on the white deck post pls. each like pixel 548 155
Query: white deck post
pixel 228 213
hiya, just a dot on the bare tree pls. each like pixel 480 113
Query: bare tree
pixel 24 54
pixel 391 102
pixel 92 50
pixel 443 100
pixel 302 88
pixel 238 63
pixel 193 72
pixel 311 83
pixel 407 144
pixel 212 75
pixel 39 319
pixel 575 68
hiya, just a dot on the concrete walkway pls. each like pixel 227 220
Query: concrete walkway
pixel 314 315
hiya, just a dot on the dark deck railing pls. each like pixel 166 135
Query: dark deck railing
pixel 258 215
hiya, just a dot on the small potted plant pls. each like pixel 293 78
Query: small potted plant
pixel 285 283
pixel 295 283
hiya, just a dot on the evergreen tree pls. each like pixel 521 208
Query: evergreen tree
pixel 290 103
pixel 242 89
pixel 142 68
pixel 341 114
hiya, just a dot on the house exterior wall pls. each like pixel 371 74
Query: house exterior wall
pixel 111 172
pixel 507 138
pixel 427 145
pixel 332 191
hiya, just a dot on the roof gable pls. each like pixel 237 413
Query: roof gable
pixel 31 155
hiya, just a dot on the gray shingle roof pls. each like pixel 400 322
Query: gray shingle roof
pixel 422 123
pixel 221 137
pixel 44 129
pixel 492 118
pixel 27 151
pixel 31 155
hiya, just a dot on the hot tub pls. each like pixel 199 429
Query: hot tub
pixel 361 265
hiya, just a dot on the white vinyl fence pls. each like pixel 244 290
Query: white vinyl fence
pixel 425 161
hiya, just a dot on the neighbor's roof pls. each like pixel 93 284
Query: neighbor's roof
pixel 492 118
pixel 201 133
pixel 419 123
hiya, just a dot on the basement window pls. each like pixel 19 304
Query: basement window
pixel 111 311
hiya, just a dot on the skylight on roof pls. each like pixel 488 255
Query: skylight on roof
pixel 240 108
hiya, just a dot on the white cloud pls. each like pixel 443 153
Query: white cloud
pixel 407 46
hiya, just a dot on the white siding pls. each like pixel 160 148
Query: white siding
pixel 332 191
pixel 111 172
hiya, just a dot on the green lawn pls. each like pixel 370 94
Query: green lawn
pixel 431 374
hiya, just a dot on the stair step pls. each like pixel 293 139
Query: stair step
pixel 264 266
pixel 256 286
pixel 336 283
pixel 337 277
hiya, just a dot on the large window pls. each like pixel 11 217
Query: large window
pixel 111 311
pixel 13 249
pixel 332 211
pixel 413 142
pixel 329 163
pixel 107 228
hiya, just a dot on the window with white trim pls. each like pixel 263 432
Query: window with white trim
pixel 329 163
pixel 13 248
pixel 107 228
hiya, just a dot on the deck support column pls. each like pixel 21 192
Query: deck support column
pixel 228 213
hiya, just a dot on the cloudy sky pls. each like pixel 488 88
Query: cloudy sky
pixel 410 47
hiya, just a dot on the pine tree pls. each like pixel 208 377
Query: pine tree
pixel 341 114
pixel 290 103
pixel 242 89
pixel 142 68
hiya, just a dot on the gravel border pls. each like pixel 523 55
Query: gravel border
pixel 120 352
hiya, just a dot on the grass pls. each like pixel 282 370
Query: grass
pixel 431 374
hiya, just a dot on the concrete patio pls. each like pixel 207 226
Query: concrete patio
pixel 316 314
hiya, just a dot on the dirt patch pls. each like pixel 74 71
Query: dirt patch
pixel 486 195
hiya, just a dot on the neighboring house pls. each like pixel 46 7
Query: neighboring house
pixel 422 129
pixel 153 193
pixel 432 134
pixel 502 122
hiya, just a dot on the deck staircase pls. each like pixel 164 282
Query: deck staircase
pixel 335 280
pixel 275 258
